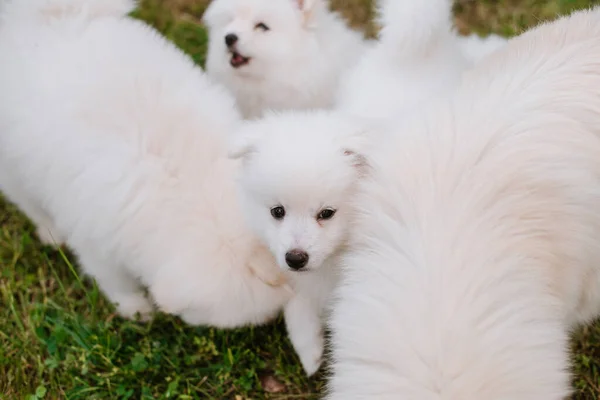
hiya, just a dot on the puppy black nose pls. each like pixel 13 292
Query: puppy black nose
pixel 231 39
pixel 296 259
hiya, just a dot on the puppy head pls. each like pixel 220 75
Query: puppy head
pixel 299 173
pixel 247 37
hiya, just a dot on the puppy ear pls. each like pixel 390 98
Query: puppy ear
pixel 243 144
pixel 306 5
pixel 354 147
pixel 308 8
pixel 209 15
pixel 358 160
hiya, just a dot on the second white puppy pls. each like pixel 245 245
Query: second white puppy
pixel 279 54
pixel 300 171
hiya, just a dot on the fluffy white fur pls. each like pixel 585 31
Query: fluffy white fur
pixel 111 139
pixel 295 64
pixel 475 48
pixel 476 246
pixel 305 162
pixel 417 57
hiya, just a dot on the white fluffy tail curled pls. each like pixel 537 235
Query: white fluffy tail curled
pixel 19 10
pixel 411 27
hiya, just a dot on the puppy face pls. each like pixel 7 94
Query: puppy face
pixel 299 174
pixel 247 37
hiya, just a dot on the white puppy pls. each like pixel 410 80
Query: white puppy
pixel 418 57
pixel 279 54
pixel 114 140
pixel 476 247
pixel 300 170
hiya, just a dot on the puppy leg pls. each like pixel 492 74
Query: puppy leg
pixel 173 290
pixel 48 235
pixel 46 232
pixel 120 288
pixel 305 329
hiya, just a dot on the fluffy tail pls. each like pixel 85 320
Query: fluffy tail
pixel 475 48
pixel 22 10
pixel 411 27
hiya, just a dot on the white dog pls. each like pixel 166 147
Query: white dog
pixel 476 246
pixel 417 57
pixel 279 54
pixel 300 170
pixel 112 139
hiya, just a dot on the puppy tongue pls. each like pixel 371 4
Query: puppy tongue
pixel 238 58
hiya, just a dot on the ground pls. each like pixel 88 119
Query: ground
pixel 60 339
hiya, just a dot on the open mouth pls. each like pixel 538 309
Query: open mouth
pixel 237 60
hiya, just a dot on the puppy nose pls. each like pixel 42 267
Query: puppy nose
pixel 296 259
pixel 231 39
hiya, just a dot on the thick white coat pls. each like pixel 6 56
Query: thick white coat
pixel 475 249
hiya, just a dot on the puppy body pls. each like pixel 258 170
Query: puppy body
pixel 114 141
pixel 304 165
pixel 295 63
pixel 475 249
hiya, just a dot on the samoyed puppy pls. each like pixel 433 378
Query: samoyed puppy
pixel 300 168
pixel 417 57
pixel 112 139
pixel 475 246
pixel 279 54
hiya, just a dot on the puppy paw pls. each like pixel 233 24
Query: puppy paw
pixel 311 357
pixel 48 237
pixel 167 298
pixel 305 330
pixel 135 306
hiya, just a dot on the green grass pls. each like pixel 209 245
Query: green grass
pixel 60 339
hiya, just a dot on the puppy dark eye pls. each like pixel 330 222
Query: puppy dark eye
pixel 261 26
pixel 278 212
pixel 326 214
